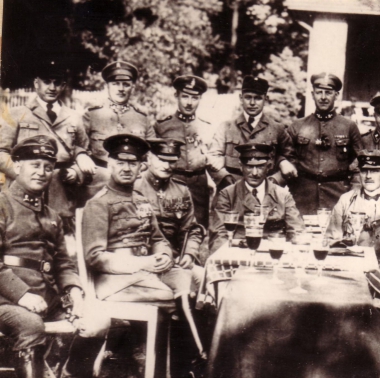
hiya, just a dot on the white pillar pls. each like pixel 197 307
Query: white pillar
pixel 327 52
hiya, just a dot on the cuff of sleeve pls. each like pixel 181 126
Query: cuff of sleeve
pixel 79 150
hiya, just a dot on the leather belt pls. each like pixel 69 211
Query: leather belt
pixel 234 171
pixel 99 162
pixel 39 265
pixel 320 178
pixel 189 173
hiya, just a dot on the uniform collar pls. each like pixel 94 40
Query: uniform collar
pixel 255 122
pixel 184 117
pixel 261 189
pixel 125 190
pixel 375 195
pixel 118 108
pixel 29 200
pixel 155 182
pixel 376 134
pixel 324 117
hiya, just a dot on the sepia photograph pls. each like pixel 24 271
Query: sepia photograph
pixel 189 189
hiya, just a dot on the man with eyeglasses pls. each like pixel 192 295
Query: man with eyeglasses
pixel 256 160
pixel 326 144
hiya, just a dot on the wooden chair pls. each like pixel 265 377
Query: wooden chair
pixel 118 310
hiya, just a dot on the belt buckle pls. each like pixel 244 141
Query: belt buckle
pixel 45 266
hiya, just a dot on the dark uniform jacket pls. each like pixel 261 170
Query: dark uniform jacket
pixel 101 122
pixel 193 134
pixel 30 120
pixel 118 218
pixel 230 134
pixel 173 207
pixel 323 173
pixel 30 229
pixel 283 214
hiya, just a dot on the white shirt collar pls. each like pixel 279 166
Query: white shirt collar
pixel 260 190
pixel 256 121
pixel 372 194
pixel 56 106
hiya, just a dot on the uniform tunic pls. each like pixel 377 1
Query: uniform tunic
pixel 371 140
pixel 282 215
pixel 173 207
pixel 103 121
pixel 117 221
pixel 230 134
pixel 190 168
pixel 323 173
pixel 29 229
pixel 30 120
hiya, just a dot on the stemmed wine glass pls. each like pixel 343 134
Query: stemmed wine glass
pixel 320 249
pixel 357 221
pixel 231 219
pixel 301 243
pixel 323 219
pixel 253 230
pixel 276 249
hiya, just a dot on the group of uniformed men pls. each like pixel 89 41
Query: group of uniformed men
pixel 146 196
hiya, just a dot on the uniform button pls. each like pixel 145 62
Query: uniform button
pixel 322 159
pixel 319 184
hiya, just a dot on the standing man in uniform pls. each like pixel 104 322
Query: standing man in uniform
pixel 46 115
pixel 371 140
pixel 185 126
pixel 115 116
pixel 256 160
pixel 326 144
pixel 35 268
pixel 171 201
pixel 251 125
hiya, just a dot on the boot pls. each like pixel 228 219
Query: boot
pixel 30 362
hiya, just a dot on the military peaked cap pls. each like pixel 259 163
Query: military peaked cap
pixel 369 159
pixel 255 85
pixel 37 147
pixel 193 85
pixel 166 149
pixel 251 152
pixel 120 70
pixel 126 147
pixel 326 81
pixel 50 69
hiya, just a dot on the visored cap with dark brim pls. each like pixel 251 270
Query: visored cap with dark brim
pixel 190 84
pixel 37 147
pixel 255 85
pixel 326 81
pixel 120 70
pixel 369 159
pixel 254 153
pixel 126 147
pixel 166 149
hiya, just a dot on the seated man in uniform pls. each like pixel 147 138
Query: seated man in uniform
pixel 123 244
pixel 171 201
pixel 254 189
pixel 361 200
pixel 36 269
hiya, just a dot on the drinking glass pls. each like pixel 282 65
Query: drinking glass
pixel 323 219
pixel 253 230
pixel 320 247
pixel 276 249
pixel 357 221
pixel 231 219
pixel 301 249
pixel 262 211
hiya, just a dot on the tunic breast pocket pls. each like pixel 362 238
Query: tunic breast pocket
pixel 231 143
pixel 28 130
pixel 301 146
pixel 342 147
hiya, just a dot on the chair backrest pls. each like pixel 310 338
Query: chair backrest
pixel 85 275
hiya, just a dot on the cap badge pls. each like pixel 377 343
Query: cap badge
pixel 43 149
pixel 118 65
pixel 192 84
pixel 126 148
pixel 126 140
pixel 37 151
pixel 171 144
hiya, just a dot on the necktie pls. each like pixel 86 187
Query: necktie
pixel 368 198
pixel 250 122
pixel 51 114
pixel 254 193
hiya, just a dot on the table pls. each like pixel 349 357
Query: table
pixel 263 330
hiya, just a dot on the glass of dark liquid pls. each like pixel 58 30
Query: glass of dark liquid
pixel 320 250
pixel 253 230
pixel 231 219
pixel 276 249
